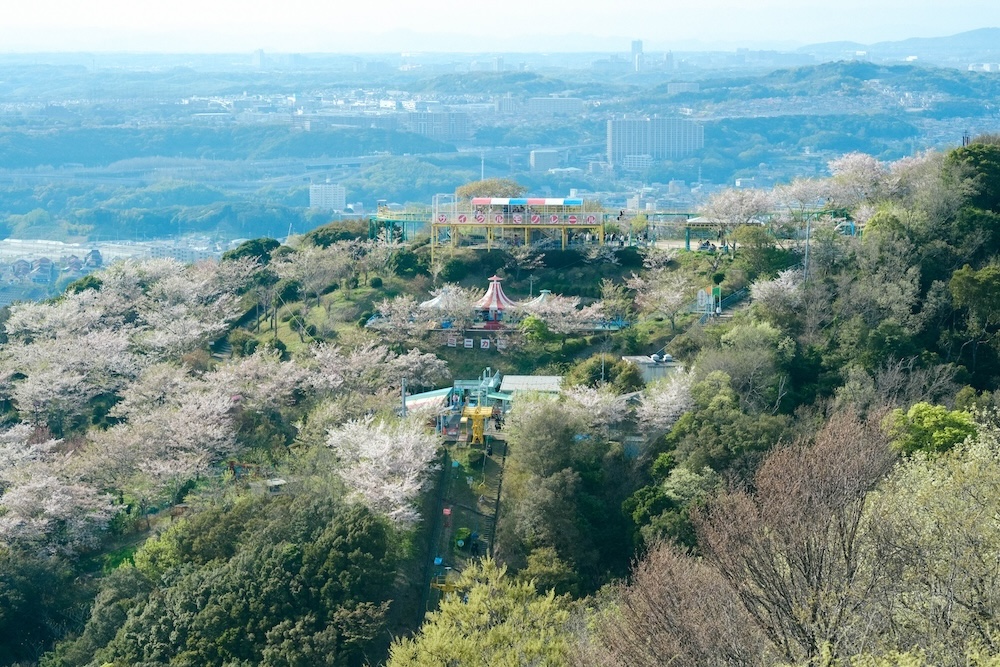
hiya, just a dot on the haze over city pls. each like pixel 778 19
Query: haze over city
pixel 445 25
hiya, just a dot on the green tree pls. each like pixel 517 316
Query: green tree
pixel 37 604
pixel 978 164
pixel 938 515
pixel 490 620
pixel 978 292
pixel 928 428
pixel 299 579
pixel 260 249
pixel 758 250
pixel 606 369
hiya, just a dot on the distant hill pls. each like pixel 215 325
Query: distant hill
pixel 982 45
pixel 849 78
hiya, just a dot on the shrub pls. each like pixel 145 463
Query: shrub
pixel 242 342
pixel 629 258
pixel 375 282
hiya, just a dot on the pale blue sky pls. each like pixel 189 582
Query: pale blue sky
pixel 471 25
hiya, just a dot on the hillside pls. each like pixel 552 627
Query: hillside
pixel 209 465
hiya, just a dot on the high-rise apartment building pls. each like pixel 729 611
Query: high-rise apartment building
pixel 543 160
pixel 443 126
pixel 636 142
pixel 327 196
pixel 637 55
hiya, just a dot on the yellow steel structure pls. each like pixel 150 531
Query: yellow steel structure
pixel 493 222
pixel 443 585
pixel 478 416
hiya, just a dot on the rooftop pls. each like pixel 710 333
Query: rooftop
pixel 545 383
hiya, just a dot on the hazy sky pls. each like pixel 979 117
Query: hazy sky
pixel 472 25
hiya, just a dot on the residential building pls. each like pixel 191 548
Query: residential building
pixel 554 105
pixel 636 142
pixel 637 54
pixel 543 160
pixel 327 196
pixel 443 126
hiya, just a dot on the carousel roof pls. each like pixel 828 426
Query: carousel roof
pixel 445 299
pixel 495 299
pixel 543 296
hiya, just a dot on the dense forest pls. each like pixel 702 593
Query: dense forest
pixel 206 465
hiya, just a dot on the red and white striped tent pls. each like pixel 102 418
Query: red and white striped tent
pixel 495 301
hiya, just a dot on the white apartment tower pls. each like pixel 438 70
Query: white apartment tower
pixel 327 196
pixel 637 55
pixel 640 141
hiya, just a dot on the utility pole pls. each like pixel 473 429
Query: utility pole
pixel 805 261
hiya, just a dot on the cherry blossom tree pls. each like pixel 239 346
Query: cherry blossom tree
pixel 732 208
pixel 859 178
pixel 176 437
pixel 386 464
pixel 601 254
pixel 449 302
pixel 379 252
pixel 661 291
pixel 158 385
pixel 561 314
pixel 397 321
pixel 524 258
pixel 783 293
pixel 58 377
pixel 663 402
pixel 260 381
pixel 19 448
pixel 370 369
pixel 420 369
pixel 601 407
pixel 315 268
pixel 41 511
pixel 803 195
pixel 654 258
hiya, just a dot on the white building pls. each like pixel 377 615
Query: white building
pixel 635 142
pixel 327 196
pixel 554 105
pixel 543 160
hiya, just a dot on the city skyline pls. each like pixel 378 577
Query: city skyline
pixel 303 26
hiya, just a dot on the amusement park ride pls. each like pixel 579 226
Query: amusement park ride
pixel 503 222
pixel 493 223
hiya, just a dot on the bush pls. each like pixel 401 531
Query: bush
pixel 243 343
pixel 454 270
pixel 629 258
pixel 573 347
pixel 630 340
pixel 288 290
pixel 408 264
pixel 561 259
pixel 329 234
pixel 375 282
